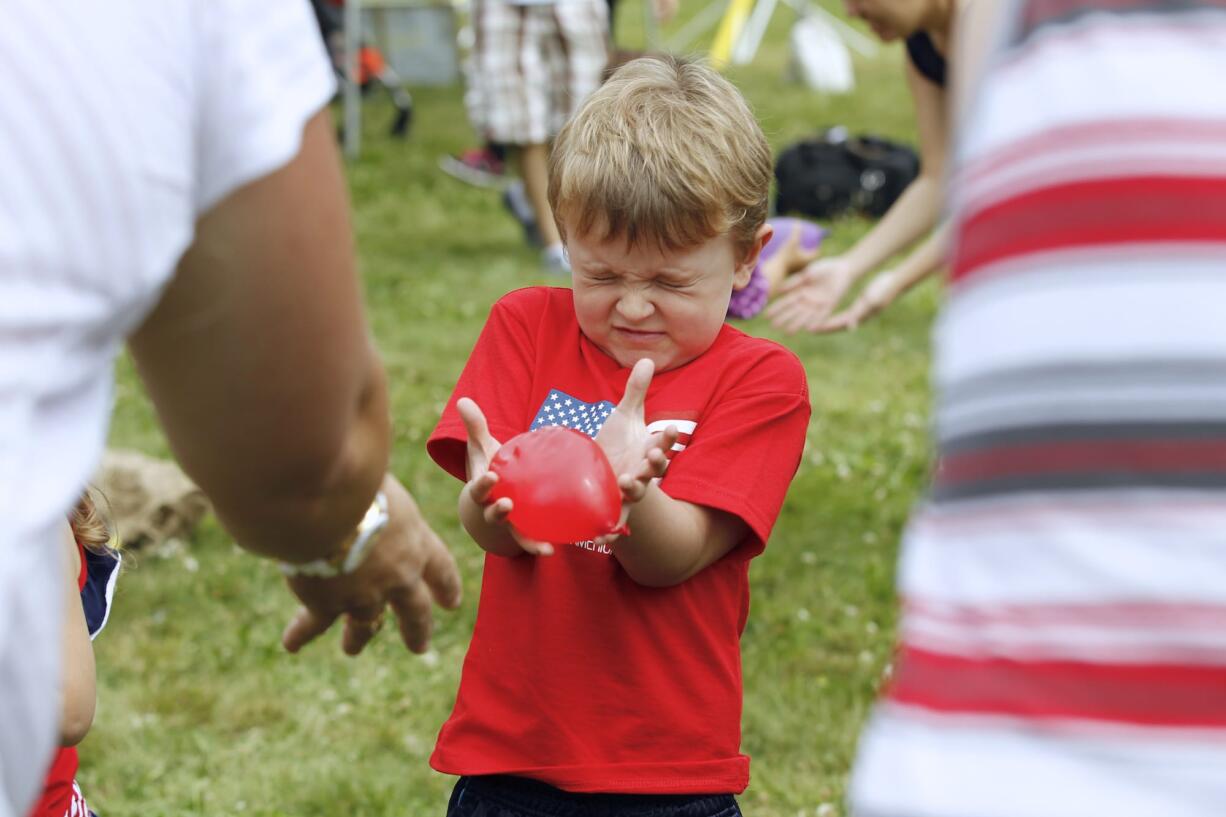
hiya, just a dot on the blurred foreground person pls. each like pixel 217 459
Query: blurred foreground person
pixel 1064 589
pixel 171 178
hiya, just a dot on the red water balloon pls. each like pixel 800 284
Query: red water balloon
pixel 560 483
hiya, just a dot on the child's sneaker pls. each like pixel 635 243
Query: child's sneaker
pixel 476 166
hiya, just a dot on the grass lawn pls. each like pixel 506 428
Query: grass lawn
pixel 200 711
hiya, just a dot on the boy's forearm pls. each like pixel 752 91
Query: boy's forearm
pixel 495 539
pixel 669 540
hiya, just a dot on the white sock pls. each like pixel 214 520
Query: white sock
pixel 555 255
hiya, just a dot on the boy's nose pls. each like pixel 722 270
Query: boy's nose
pixel 634 307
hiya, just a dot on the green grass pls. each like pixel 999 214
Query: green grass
pixel 201 713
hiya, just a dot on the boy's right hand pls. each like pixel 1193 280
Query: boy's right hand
pixel 481 481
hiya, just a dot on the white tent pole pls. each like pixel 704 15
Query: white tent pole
pixel 747 46
pixel 351 90
pixel 699 24
pixel 865 46
pixel 650 27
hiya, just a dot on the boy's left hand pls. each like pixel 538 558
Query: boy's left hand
pixel 637 457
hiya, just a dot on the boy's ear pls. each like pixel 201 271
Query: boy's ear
pixel 744 270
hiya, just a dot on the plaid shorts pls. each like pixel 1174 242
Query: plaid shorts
pixel 533 64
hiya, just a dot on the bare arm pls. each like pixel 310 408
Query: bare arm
pixel 258 362
pixel 973 35
pixel 972 38
pixel 974 28
pixel 888 285
pixel 484 519
pixel 490 535
pixel 919 207
pixel 79 692
pixel 671 540
pixel 808 298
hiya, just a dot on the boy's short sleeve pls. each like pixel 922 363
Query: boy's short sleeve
pixel 746 449
pixel 498 376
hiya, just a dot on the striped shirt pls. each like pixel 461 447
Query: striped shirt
pixel 1063 637
pixel 120 123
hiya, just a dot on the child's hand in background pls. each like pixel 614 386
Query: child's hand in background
pixel 481 481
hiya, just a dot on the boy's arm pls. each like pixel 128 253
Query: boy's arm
pixel 498 377
pixel 671 540
pixel 485 521
pixel 725 490
pixel 488 534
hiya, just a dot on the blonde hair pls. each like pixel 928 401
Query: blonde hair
pixel 89 527
pixel 667 152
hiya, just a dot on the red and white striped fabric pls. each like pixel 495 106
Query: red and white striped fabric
pixel 78 807
pixel 1064 623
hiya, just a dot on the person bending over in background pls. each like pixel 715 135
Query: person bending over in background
pixel 808 300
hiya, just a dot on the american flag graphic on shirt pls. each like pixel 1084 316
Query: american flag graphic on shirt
pixel 562 409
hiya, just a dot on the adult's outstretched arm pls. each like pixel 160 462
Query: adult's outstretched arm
pixel 260 365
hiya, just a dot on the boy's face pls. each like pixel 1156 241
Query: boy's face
pixel 642 302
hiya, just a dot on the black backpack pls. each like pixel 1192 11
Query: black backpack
pixel 834 173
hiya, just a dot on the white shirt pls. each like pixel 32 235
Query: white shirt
pixel 120 124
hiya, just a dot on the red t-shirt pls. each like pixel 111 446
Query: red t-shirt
pixel 576 675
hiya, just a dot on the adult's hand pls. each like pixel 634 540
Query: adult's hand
pixel 808 298
pixel 880 293
pixel 407 567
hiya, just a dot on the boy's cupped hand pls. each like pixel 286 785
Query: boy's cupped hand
pixel 481 480
pixel 638 456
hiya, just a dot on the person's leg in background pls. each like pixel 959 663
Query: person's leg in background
pixel 507 89
pixel 532 66
pixel 484 165
pixel 575 51
pixel 533 167
pixel 612 4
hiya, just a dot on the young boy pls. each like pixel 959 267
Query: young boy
pixel 604 676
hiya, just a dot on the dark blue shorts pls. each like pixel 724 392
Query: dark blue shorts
pixel 501 796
